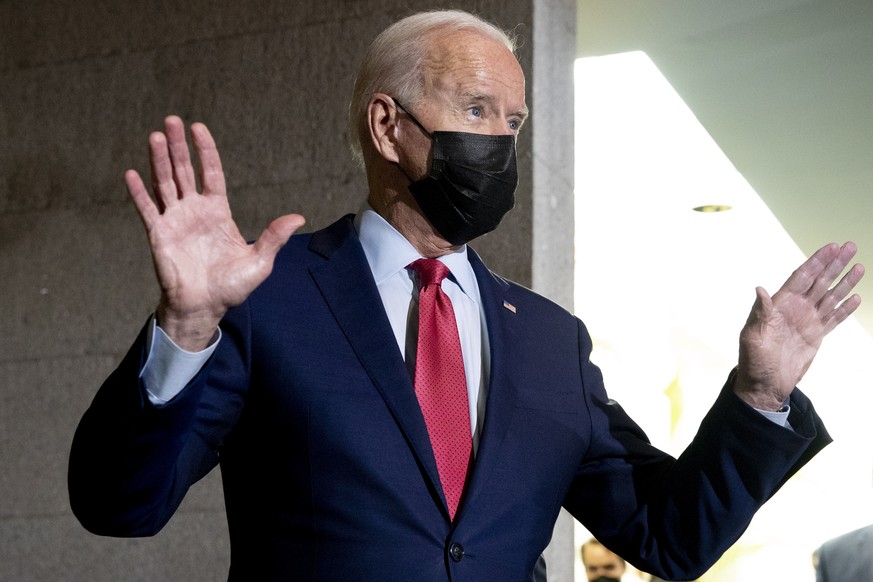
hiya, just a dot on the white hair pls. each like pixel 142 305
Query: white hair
pixel 394 63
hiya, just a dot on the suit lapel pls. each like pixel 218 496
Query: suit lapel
pixel 500 405
pixel 348 288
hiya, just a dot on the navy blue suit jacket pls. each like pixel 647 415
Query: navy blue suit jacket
pixel 327 468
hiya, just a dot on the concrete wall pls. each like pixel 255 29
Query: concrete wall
pixel 81 86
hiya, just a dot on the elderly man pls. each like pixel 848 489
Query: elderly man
pixel 385 408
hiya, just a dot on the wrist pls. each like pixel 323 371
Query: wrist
pixel 191 331
pixel 761 401
pixel 759 395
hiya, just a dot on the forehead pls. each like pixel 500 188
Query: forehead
pixel 599 555
pixel 469 63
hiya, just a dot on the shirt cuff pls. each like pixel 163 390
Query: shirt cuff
pixel 780 417
pixel 169 368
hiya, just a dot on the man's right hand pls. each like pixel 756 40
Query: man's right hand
pixel 203 264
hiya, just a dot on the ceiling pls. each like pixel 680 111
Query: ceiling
pixel 785 87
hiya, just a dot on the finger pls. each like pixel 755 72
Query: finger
pixel 162 171
pixel 180 157
pixel 277 234
pixel 842 289
pixel 825 279
pixel 146 208
pixel 211 174
pixel 804 277
pixel 842 312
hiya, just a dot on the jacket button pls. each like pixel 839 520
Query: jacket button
pixel 456 551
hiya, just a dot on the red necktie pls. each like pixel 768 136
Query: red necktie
pixel 440 381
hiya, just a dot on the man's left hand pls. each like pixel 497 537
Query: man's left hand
pixel 783 332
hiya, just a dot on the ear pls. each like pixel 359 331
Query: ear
pixel 382 123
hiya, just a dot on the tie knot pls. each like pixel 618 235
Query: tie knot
pixel 429 271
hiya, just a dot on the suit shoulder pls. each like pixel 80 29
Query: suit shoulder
pixel 531 299
pixel 305 249
pixel 864 534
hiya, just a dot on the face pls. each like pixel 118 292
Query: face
pixel 472 84
pixel 601 562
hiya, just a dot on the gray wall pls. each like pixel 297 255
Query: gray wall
pixel 81 86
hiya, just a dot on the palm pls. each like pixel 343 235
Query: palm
pixel 203 264
pixel 783 333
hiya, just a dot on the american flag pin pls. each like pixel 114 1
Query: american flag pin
pixel 509 306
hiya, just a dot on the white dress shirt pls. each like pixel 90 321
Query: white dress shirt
pixel 388 254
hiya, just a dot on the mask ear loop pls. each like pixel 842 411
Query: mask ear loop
pixel 420 126
pixel 412 117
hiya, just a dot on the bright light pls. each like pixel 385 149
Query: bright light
pixel 664 291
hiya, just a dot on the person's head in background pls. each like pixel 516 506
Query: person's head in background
pixel 601 565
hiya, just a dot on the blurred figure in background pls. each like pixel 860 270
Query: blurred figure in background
pixel 847 558
pixel 601 564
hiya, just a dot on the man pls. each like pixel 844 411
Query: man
pixel 847 557
pixel 345 449
pixel 601 564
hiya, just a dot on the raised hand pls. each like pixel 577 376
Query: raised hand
pixel 783 332
pixel 203 264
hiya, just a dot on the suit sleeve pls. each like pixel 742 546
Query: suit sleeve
pixel 676 517
pixel 131 463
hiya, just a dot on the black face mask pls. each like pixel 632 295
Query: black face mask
pixel 606 579
pixel 471 184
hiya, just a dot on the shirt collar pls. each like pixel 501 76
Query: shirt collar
pixel 388 251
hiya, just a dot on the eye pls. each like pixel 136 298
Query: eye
pixel 476 112
pixel 514 125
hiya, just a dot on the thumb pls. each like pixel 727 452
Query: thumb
pixel 762 308
pixel 277 234
pixel 763 301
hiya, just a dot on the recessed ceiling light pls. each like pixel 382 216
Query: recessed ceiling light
pixel 713 208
